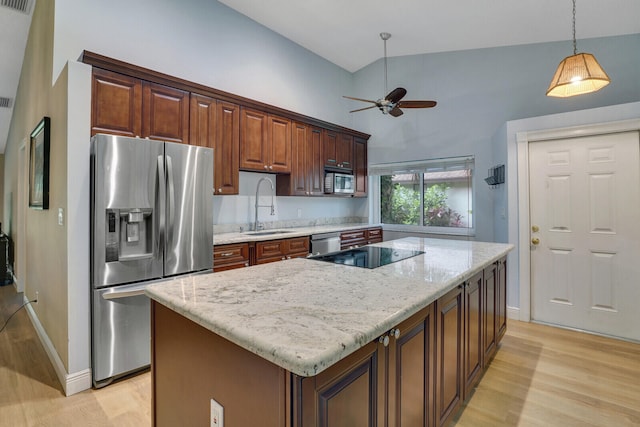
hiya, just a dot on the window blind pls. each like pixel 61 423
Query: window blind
pixel 422 166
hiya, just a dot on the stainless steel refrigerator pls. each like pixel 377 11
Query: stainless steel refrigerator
pixel 152 218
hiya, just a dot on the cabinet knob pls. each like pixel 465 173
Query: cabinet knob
pixel 384 340
pixel 219 190
pixel 246 264
pixel 288 256
pixel 395 333
pixel 270 167
pixel 266 167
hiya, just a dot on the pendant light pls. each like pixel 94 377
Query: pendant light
pixel 577 74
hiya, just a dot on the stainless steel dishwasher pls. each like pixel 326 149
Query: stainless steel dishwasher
pixel 325 243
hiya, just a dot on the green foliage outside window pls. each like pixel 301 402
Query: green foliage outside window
pixel 400 204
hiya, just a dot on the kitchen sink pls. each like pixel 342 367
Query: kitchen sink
pixel 267 232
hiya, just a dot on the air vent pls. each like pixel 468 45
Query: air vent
pixel 23 6
pixel 5 102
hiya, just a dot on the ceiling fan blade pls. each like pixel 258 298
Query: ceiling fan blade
pixel 395 112
pixel 362 109
pixel 358 99
pixel 396 95
pixel 417 104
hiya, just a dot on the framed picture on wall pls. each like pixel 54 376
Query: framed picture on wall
pixel 39 165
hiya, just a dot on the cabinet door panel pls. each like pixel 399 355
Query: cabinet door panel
pixel 254 153
pixel 345 395
pixel 116 104
pixel 299 155
pixel 360 166
pixel 449 375
pixel 279 144
pixel 329 141
pixel 227 151
pixel 344 152
pixel 489 311
pixel 411 372
pixel 165 113
pixel 298 245
pixel 502 299
pixel 202 121
pixel 315 164
pixel 473 349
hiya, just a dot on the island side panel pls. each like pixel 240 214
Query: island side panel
pixel 191 365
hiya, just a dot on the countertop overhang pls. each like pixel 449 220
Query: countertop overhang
pixel 305 315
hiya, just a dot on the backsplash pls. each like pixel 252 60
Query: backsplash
pixel 234 228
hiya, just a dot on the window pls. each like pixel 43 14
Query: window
pixel 434 195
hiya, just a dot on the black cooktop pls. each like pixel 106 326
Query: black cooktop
pixel 367 256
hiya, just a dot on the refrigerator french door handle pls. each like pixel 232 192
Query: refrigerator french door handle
pixel 171 202
pixel 160 205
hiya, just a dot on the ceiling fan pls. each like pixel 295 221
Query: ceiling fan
pixel 392 103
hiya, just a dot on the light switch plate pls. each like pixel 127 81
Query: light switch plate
pixel 217 414
pixel 60 216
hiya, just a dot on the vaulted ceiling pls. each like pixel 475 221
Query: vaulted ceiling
pixel 347 32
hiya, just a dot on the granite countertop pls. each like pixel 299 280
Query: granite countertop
pixel 225 238
pixel 305 315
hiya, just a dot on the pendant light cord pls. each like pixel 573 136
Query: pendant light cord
pixel 575 50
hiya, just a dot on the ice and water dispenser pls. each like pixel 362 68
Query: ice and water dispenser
pixel 129 234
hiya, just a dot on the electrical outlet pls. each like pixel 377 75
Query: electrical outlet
pixel 36 297
pixel 217 414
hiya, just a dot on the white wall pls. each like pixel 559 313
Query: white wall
pixel 208 43
pixel 477 92
pixel 554 121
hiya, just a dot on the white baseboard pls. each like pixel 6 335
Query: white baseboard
pixel 71 383
pixel 513 313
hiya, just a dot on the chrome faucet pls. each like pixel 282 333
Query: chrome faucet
pixel 259 226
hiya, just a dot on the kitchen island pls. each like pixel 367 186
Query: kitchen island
pixel 310 343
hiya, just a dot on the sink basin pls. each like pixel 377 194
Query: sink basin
pixel 267 232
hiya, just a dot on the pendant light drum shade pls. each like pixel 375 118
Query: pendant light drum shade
pixel 577 74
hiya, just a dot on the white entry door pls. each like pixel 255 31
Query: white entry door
pixel 585 233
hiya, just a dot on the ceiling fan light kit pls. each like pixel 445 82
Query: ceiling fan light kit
pixel 577 74
pixel 391 104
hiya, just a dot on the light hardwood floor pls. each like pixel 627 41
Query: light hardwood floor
pixel 541 376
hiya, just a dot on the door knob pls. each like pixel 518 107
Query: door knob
pixel 535 228
pixel 535 241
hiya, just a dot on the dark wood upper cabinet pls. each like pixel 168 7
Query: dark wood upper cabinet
pixel 116 104
pixel 307 169
pixel 227 152
pixel 344 151
pixel 329 143
pixel 132 101
pixel 216 125
pixel 202 121
pixel 265 142
pixel 360 166
pixel 279 143
pixel 165 113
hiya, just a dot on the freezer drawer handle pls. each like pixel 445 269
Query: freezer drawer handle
pixel 123 294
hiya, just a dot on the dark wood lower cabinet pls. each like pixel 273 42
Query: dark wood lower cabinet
pixel 501 317
pixel 386 383
pixel 473 331
pixel 449 355
pixel 410 371
pixel 416 374
pixel 489 302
